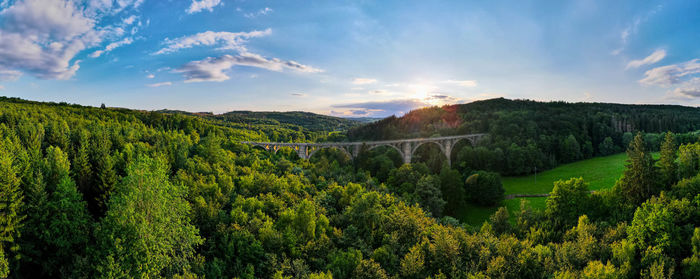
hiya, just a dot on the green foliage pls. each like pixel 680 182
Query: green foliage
pixel 688 160
pixel 567 201
pixel 11 202
pixel 640 178
pixel 691 265
pixel 607 147
pixel 484 188
pixel 146 231
pixel 570 149
pixel 452 189
pixel 429 196
pixel 130 194
pixel 667 163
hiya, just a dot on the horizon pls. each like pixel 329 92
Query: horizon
pixel 347 59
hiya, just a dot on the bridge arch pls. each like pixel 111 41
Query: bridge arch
pixel 456 147
pixel 438 146
pixel 389 145
pixel 343 150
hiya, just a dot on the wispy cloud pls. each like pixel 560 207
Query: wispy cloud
pixel 361 81
pixel 198 6
pixel 9 75
pixel 654 57
pixel 672 74
pixel 463 83
pixel 159 84
pixel 688 89
pixel 261 12
pixel 226 40
pixel 112 46
pixel 212 68
pixel 382 108
pixel 298 94
pixel 633 28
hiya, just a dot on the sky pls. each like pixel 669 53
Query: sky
pixel 347 58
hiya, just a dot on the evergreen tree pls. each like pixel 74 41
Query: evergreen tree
pixel 106 175
pixel 11 202
pixel 31 240
pixel 639 181
pixel 667 162
pixel 82 171
pixel 452 189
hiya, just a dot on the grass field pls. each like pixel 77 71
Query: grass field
pixel 599 172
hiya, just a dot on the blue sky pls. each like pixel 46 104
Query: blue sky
pixel 347 58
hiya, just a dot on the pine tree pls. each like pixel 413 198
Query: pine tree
pixel 106 175
pixel 11 201
pixel 82 171
pixel 667 162
pixel 33 248
pixel 640 178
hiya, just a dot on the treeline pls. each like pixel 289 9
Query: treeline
pixel 309 126
pixel 111 193
pixel 528 135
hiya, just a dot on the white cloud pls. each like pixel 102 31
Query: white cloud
pixel 228 40
pixel 688 89
pixel 159 84
pixel 656 56
pixel 212 68
pixel 150 76
pixel 9 75
pixel 261 12
pixel 671 74
pixel 129 20
pixel 42 37
pixel 198 6
pixel 463 83
pixel 112 46
pixel 361 81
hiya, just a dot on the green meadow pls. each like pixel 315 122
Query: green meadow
pixel 599 173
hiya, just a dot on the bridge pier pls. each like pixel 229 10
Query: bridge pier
pixel 407 152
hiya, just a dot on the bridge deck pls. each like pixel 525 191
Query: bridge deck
pixel 353 143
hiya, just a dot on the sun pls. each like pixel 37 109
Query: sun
pixel 423 92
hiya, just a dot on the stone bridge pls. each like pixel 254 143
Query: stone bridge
pixel 405 147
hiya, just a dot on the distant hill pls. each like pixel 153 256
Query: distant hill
pixel 311 121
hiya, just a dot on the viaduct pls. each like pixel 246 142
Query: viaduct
pixel 405 147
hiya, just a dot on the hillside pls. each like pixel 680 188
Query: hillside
pixel 525 135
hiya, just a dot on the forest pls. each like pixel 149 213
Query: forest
pixel 88 192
